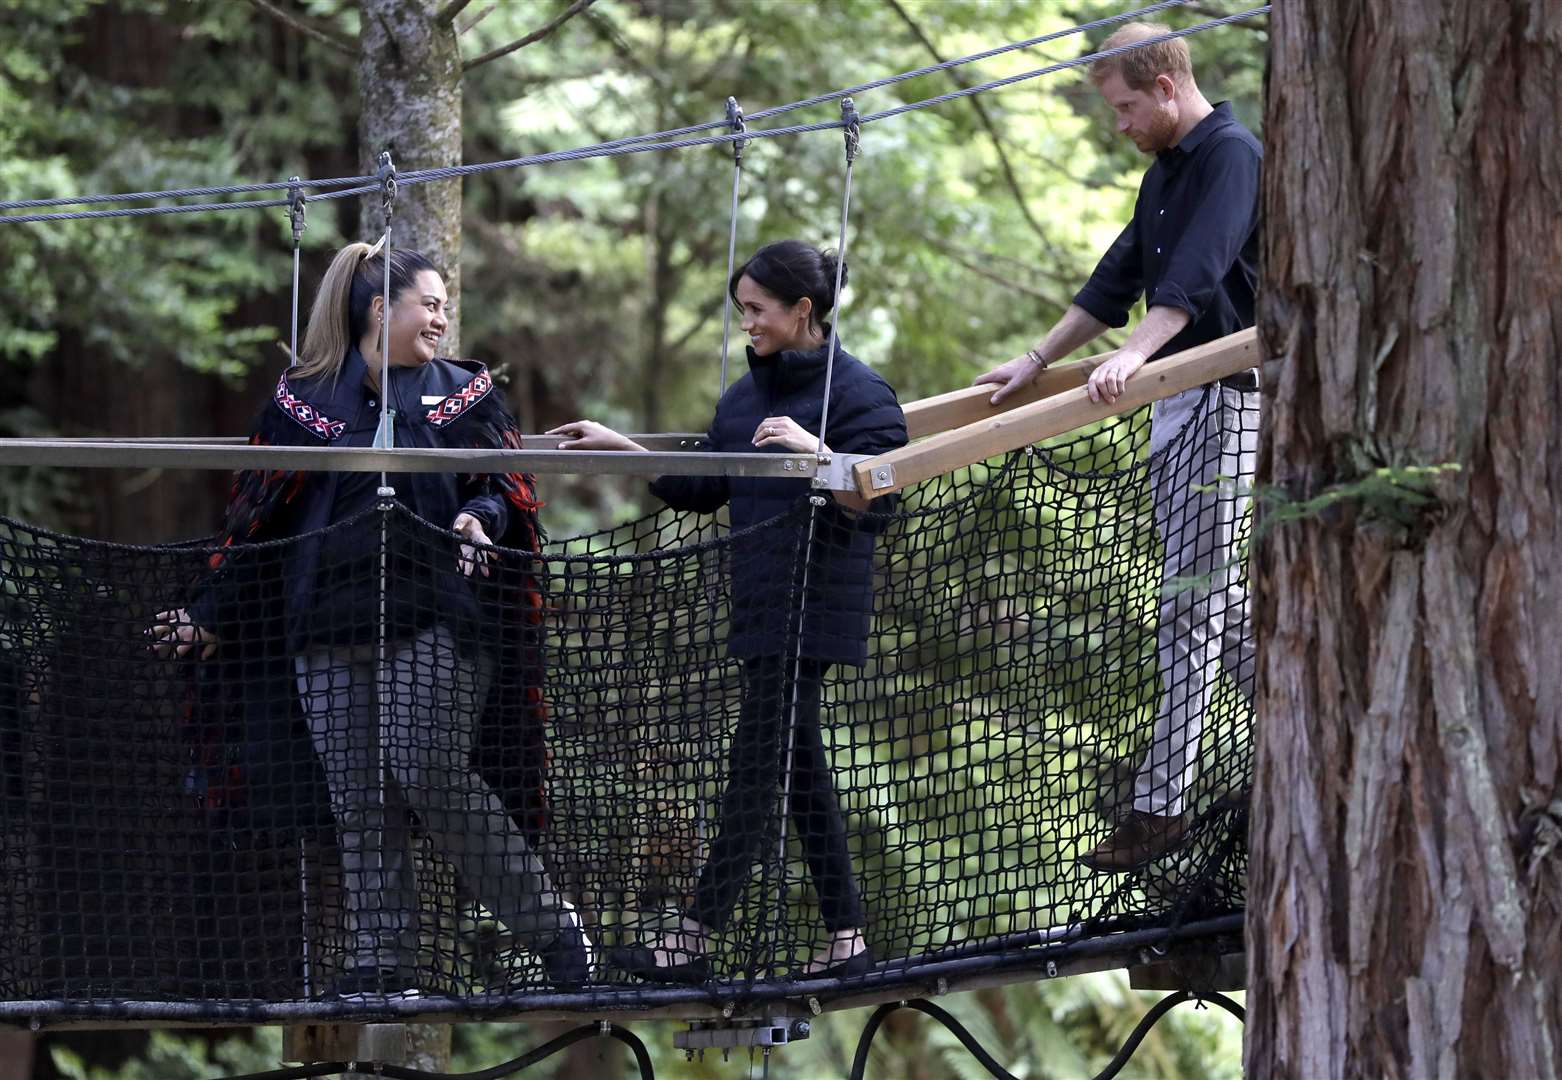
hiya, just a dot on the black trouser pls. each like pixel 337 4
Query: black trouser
pixel 756 764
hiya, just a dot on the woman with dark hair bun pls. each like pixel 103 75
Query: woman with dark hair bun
pixel 398 732
pixel 784 293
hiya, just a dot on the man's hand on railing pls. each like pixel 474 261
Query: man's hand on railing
pixel 1012 375
pixel 1106 381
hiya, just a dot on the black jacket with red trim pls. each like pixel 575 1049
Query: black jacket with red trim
pixel 442 404
pixel 318 585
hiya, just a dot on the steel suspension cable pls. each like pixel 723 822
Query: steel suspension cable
pixel 187 208
pixel 735 119
pixel 368 183
pixel 816 504
pixel 853 125
pixel 185 193
pixel 1063 65
pixel 296 210
pixel 423 176
pixel 639 144
pixel 945 65
pixel 384 438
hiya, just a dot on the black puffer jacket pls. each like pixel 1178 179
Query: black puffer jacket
pixel 865 418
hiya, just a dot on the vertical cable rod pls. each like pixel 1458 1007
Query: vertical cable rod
pixel 296 204
pixel 853 135
pixel 735 121
pixel 816 503
pixel 385 437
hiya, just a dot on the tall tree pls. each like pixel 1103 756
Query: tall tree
pixel 410 70
pixel 1406 881
pixel 409 89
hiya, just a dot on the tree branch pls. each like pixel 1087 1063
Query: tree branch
pixel 322 34
pixel 706 313
pixel 974 262
pixel 475 19
pixel 1008 281
pixel 448 13
pixel 536 35
pixel 1010 180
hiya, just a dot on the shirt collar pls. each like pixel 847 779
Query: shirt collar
pixel 1219 117
pixel 345 392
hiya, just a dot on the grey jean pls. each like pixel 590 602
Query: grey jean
pixel 421 760
pixel 1201 488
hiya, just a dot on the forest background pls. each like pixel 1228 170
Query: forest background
pixel 591 288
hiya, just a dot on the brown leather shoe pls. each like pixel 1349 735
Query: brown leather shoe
pixel 1141 838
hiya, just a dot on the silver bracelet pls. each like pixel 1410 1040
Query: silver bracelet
pixel 1035 357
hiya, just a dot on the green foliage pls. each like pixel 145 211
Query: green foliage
pixel 1401 499
pixel 174 1055
pixel 130 289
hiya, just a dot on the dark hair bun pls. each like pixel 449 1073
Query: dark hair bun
pixel 832 262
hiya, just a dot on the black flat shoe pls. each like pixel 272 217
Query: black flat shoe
pixel 639 961
pixel 860 964
pixel 567 959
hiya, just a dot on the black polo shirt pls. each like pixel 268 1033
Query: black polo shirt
pixel 1193 240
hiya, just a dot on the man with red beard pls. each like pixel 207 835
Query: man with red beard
pixel 1191 251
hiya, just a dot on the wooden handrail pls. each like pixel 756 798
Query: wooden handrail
pixel 931 415
pixel 1052 415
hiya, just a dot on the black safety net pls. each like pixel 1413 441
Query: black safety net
pixel 406 765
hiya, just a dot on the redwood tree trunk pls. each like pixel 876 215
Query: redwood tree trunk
pixel 1406 885
pixel 409 86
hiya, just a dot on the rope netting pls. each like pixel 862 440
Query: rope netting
pixel 437 770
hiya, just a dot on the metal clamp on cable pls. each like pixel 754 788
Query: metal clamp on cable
pixel 385 433
pixel 736 123
pixel 297 202
pixel 853 124
pixel 387 177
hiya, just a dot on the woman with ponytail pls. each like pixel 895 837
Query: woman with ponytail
pixel 393 682
pixel 783 293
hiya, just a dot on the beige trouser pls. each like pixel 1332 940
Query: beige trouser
pixel 1201 485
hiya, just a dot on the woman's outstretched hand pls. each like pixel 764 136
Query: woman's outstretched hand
pixel 788 434
pixel 175 634
pixel 472 533
pixel 590 435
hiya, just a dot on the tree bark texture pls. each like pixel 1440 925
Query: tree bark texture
pixel 1406 883
pixel 409 85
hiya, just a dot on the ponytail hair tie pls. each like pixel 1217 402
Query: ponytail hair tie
pixel 375 249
